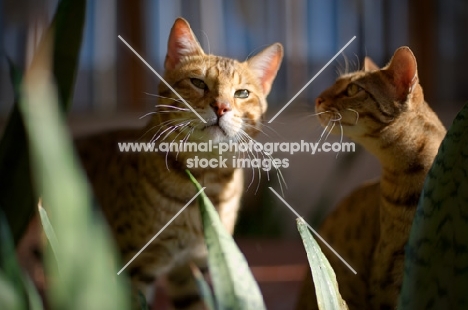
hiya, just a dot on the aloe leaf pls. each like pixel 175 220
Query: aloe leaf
pixel 16 289
pixel 9 265
pixel 34 300
pixel 436 257
pixel 49 232
pixel 87 277
pixel 9 297
pixel 204 289
pixel 326 287
pixel 142 303
pixel 234 285
pixel 17 196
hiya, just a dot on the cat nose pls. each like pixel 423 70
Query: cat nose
pixel 319 101
pixel 221 107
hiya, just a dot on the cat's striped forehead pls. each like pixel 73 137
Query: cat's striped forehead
pixel 344 80
pixel 370 81
pixel 206 82
pixel 220 71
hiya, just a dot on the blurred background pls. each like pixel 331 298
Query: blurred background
pixel 113 86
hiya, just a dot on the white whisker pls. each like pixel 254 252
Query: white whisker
pixel 319 113
pixel 161 112
pixel 168 128
pixel 337 119
pixel 147 114
pixel 163 97
pixel 161 126
pixel 341 136
pixel 175 128
pixel 357 115
pixel 331 129
pixel 323 132
pixel 182 129
pixel 171 107
pixel 244 137
pixel 278 171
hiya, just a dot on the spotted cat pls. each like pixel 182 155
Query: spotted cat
pixel 384 111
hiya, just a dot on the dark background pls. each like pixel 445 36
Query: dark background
pixel 112 84
pixel 111 78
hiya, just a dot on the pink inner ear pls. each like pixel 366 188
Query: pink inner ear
pixel 266 64
pixel 182 43
pixel 404 70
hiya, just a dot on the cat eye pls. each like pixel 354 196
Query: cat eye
pixel 242 93
pixel 198 83
pixel 352 90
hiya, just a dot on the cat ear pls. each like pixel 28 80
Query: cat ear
pixel 266 64
pixel 403 68
pixel 182 42
pixel 369 65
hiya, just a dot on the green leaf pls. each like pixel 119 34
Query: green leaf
pixel 9 297
pixel 88 275
pixel 50 233
pixel 204 289
pixel 16 289
pixel 234 285
pixel 35 301
pixel 142 301
pixel 436 257
pixel 17 195
pixel 326 287
pixel 9 264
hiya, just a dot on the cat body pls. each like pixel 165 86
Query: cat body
pixel 384 111
pixel 149 190
pixel 141 192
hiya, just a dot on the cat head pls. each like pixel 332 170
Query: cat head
pixel 229 95
pixel 367 101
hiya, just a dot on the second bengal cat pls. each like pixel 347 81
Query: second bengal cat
pixel 384 111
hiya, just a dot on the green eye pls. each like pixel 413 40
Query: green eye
pixel 352 90
pixel 198 83
pixel 241 93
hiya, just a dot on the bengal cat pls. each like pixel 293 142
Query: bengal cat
pixel 140 192
pixel 384 111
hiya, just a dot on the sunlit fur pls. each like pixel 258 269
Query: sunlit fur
pixel 140 193
pixel 384 111
pixel 223 76
pixel 173 121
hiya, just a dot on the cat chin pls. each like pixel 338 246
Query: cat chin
pixel 216 134
pixel 213 133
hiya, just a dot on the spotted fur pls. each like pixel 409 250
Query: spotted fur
pixel 384 111
pixel 140 192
